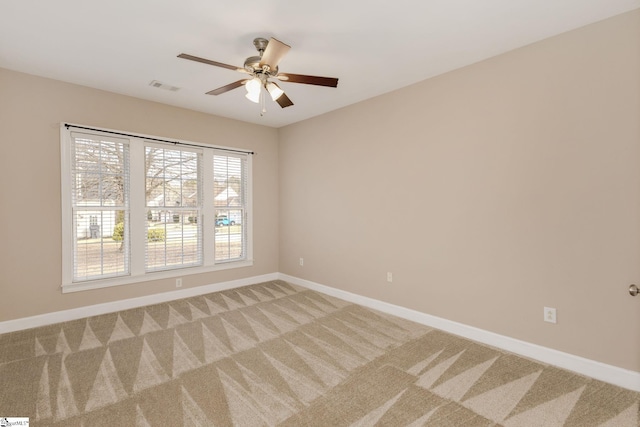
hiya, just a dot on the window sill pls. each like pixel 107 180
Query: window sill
pixel 156 275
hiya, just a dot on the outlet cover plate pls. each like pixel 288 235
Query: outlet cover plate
pixel 550 315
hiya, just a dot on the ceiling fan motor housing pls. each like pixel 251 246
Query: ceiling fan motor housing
pixel 252 65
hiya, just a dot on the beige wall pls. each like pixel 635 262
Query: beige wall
pixel 31 109
pixel 489 192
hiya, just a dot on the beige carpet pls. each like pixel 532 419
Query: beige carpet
pixel 275 354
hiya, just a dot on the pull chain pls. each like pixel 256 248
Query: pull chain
pixel 263 104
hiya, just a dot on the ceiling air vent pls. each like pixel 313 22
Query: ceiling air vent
pixel 164 86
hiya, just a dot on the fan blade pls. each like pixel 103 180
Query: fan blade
pixel 309 80
pixel 227 88
pixel 284 101
pixel 275 51
pixel 210 62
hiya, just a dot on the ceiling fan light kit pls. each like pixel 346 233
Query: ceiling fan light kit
pixel 261 69
pixel 254 87
pixel 253 96
pixel 274 90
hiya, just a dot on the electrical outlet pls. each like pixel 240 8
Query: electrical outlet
pixel 301 262
pixel 179 282
pixel 389 276
pixel 550 315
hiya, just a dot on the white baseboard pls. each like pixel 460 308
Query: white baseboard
pixel 110 307
pixel 591 368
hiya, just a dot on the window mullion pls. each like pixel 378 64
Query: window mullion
pixel 137 208
pixel 208 210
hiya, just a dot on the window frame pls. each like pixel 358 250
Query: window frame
pixel 137 211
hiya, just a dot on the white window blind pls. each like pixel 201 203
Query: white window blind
pixel 230 182
pixel 100 206
pixel 174 208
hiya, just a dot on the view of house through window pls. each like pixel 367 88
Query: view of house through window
pixel 229 201
pixel 100 206
pixel 173 204
pixel 114 233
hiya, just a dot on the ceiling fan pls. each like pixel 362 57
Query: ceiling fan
pixel 261 69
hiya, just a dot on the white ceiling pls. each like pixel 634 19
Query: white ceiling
pixel 372 46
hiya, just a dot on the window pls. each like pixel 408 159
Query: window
pixel 100 206
pixel 229 201
pixel 136 209
pixel 173 202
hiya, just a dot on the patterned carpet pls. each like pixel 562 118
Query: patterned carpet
pixel 276 354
